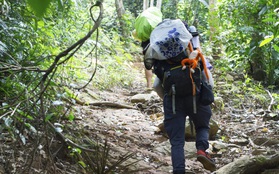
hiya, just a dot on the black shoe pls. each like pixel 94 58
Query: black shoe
pixel 179 172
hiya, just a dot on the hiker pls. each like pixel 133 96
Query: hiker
pixel 148 60
pixel 157 85
pixel 144 24
pixel 148 73
pixel 184 92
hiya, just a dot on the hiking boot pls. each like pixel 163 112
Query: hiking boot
pixel 204 158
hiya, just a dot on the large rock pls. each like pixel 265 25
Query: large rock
pixel 165 149
pixel 188 133
pixel 143 98
pixel 212 132
pixel 218 104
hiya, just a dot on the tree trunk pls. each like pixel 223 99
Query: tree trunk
pixel 120 12
pixel 145 4
pixel 214 29
pixel 211 19
pixel 159 4
pixel 151 3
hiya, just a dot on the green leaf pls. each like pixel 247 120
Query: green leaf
pixel 60 4
pixel 76 150
pixel 39 6
pixel 276 48
pixel 32 128
pixel 263 10
pixel 41 24
pixel 71 116
pixel 48 117
pixel 267 40
pixel 22 113
pixel 82 164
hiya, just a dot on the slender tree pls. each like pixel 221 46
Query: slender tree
pixel 159 4
pixel 120 12
pixel 213 22
pixel 147 3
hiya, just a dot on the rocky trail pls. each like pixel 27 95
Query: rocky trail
pixel 244 137
pixel 235 133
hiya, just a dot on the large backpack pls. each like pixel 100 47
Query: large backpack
pixel 175 63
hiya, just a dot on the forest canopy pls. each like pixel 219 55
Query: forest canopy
pixel 51 49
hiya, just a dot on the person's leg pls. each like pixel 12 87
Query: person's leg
pixel 201 122
pixel 148 76
pixel 174 125
pixel 158 88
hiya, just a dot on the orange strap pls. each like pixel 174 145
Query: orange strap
pixel 193 64
pixel 203 64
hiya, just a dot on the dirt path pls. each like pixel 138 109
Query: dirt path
pixel 245 128
pixel 135 130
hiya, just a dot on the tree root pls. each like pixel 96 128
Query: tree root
pixel 111 104
pixel 247 165
pixel 100 104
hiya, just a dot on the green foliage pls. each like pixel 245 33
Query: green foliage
pixel 115 72
pixel 27 46
pixel 169 9
pixel 34 32
pixel 250 32
pixel 244 93
pixel 29 43
pixel 39 7
pixel 194 13
pixel 134 6
pixel 276 99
